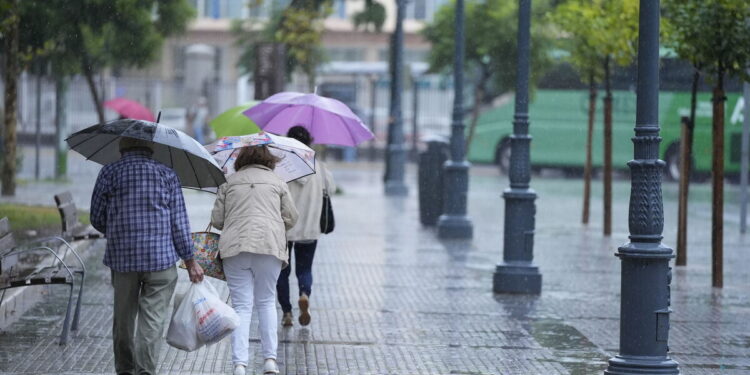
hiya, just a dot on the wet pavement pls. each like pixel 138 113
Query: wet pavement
pixel 389 298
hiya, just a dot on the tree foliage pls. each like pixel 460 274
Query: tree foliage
pixel 299 27
pixel 372 15
pixel 712 34
pixel 491 41
pixel 87 36
pixel 593 30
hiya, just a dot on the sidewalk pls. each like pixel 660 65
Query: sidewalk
pixel 389 298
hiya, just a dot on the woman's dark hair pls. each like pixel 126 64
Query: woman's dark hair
pixel 301 134
pixel 255 155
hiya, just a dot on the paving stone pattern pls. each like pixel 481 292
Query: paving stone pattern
pixel 389 298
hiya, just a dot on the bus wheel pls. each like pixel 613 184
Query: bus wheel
pixel 502 156
pixel 672 161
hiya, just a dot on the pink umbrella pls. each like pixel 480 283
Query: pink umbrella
pixel 329 121
pixel 130 109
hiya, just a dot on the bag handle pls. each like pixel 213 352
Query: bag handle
pixel 208 228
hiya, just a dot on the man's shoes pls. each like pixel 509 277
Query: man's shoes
pixel 304 309
pixel 270 367
pixel 286 320
pixel 239 370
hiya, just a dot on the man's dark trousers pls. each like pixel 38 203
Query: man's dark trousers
pixel 143 297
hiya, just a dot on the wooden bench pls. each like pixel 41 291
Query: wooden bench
pixel 24 266
pixel 72 228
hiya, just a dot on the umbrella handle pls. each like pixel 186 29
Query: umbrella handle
pixel 158 117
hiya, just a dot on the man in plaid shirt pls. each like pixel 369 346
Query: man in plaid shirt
pixel 138 204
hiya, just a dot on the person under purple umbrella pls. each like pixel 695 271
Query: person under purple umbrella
pixel 302 239
pixel 329 121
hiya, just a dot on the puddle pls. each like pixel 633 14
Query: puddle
pixel 570 348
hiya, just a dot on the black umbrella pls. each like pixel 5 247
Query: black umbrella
pixel 195 167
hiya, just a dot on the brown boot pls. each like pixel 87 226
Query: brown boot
pixel 304 309
pixel 286 320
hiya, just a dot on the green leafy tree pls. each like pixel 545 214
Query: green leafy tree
pixel 19 51
pixel 372 15
pixel 491 50
pixel 92 35
pixel 576 20
pixel 301 31
pixel 600 33
pixel 715 36
pixel 9 28
pixel 299 27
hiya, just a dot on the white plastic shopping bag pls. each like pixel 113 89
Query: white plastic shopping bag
pixel 215 318
pixel 200 318
pixel 183 332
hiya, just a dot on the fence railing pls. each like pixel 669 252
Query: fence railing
pixel 434 106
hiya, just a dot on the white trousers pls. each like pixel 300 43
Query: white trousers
pixel 252 279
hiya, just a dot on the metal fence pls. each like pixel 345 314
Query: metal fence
pixel 434 103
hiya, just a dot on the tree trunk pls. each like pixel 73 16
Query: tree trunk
pixel 38 118
pixel 607 150
pixel 717 216
pixel 61 127
pixel 89 74
pixel 686 161
pixel 10 45
pixel 479 92
pixel 589 139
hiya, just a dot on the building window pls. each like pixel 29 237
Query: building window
pixel 410 55
pixel 179 59
pixel 345 53
pixel 178 62
pixel 420 9
pixel 340 9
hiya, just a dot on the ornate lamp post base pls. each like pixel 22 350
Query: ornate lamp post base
pixel 455 227
pixel 634 365
pixel 517 273
pixel 396 188
pixel 517 278
pixel 454 224
pixel 394 183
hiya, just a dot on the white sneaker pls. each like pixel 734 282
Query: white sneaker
pixel 270 367
pixel 239 370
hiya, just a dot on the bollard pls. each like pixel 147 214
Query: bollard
pixel 430 180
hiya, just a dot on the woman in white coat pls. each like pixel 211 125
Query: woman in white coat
pixel 254 209
pixel 303 237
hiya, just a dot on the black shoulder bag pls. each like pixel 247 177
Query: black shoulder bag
pixel 327 222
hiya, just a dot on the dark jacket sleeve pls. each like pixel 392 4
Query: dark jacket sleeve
pixel 183 244
pixel 99 200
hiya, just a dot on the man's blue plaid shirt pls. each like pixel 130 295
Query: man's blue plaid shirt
pixel 138 204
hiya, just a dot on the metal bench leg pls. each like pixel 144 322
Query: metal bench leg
pixel 66 322
pixel 78 302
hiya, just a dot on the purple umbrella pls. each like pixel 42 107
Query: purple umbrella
pixel 329 121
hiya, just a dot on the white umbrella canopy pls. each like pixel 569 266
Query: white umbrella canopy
pixel 195 167
pixel 297 159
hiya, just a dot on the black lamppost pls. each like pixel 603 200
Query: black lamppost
pixel 454 223
pixel 517 272
pixel 396 149
pixel 646 275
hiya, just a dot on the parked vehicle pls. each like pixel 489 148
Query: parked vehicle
pixel 559 118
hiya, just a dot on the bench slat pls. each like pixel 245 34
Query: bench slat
pixel 48 275
pixel 64 197
pixel 69 216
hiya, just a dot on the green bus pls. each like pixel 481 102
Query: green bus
pixel 559 117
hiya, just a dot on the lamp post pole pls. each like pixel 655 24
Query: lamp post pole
pixel 396 149
pixel 454 223
pixel 645 272
pixel 517 272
